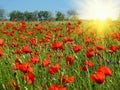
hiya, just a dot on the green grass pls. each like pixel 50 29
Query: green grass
pixel 43 79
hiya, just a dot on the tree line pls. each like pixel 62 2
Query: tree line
pixel 37 15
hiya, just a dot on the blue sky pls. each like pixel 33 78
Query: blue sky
pixel 32 5
pixel 83 7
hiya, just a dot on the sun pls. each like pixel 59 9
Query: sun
pixel 98 9
pixel 101 13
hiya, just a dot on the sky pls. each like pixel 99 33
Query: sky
pixel 101 9
pixel 32 5
pixel 84 7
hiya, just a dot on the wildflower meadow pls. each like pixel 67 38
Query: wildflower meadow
pixel 59 55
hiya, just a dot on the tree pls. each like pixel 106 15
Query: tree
pixel 28 16
pixel 40 15
pixel 72 13
pixel 2 14
pixel 16 15
pixel 35 15
pixel 60 16
pixel 47 15
pixel 13 15
pixel 19 15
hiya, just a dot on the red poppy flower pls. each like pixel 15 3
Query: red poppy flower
pixel 116 36
pixel 100 48
pixel 84 68
pixel 30 69
pixel 79 21
pixel 17 87
pixel 49 55
pixel 45 63
pixel 16 66
pixel 30 33
pixel 77 48
pixel 57 29
pixel 18 51
pixel 68 40
pixel 56 87
pixel 70 60
pixel 14 44
pixel 87 40
pixel 2 21
pixel 1 53
pixel 112 49
pixel 57 45
pixel 105 70
pixel 98 77
pixel 90 53
pixel 71 79
pixel 48 33
pixel 69 31
pixel 34 60
pixel 65 79
pixel 17 60
pixel 27 50
pixel 22 37
pixel 29 77
pixel 34 43
pixel 48 36
pixel 24 67
pixel 88 63
pixel 59 35
pixel 1 42
pixel 54 69
pixel 68 24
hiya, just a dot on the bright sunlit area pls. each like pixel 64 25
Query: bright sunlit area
pixel 102 12
pixel 98 9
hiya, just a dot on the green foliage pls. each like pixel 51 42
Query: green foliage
pixel 16 15
pixel 2 14
pixel 60 16
pixel 45 15
pixel 9 77
pixel 28 16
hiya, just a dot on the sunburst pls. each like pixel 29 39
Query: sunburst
pixel 98 9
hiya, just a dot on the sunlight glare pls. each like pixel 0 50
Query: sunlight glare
pixel 97 9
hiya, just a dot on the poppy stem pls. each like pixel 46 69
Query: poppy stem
pixel 89 84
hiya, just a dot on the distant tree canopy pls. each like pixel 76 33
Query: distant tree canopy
pixel 2 14
pixel 29 16
pixel 17 15
pixel 38 15
pixel 45 15
pixel 72 13
pixel 60 16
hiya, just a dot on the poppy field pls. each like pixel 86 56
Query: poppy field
pixel 65 55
